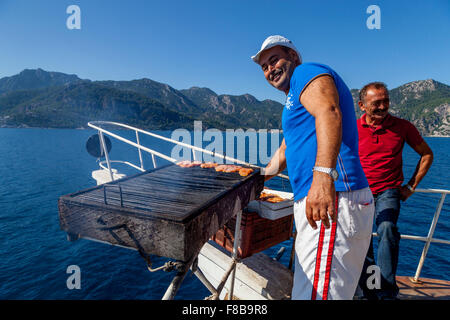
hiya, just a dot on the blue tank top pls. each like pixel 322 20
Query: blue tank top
pixel 299 132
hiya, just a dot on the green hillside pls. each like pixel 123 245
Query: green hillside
pixel 37 98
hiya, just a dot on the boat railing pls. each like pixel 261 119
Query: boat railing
pixel 429 238
pixel 97 125
pixel 101 131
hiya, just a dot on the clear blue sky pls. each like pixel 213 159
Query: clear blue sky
pixel 209 43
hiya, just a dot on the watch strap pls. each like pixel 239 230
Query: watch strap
pixel 328 171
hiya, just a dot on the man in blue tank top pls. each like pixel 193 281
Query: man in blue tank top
pixel 320 151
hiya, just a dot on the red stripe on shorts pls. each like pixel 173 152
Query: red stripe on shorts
pixel 330 252
pixel 317 270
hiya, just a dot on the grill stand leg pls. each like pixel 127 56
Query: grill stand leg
pixel 178 279
pixel 224 279
pixel 237 242
pixel 205 281
pixel 233 265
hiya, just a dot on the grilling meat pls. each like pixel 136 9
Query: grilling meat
pixel 228 168
pixel 269 197
pixel 209 165
pixel 219 168
pixel 232 168
pixel 245 171
pixel 188 164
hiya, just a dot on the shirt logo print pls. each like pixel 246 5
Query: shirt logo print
pixel 289 101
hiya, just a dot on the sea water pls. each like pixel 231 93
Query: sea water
pixel 37 166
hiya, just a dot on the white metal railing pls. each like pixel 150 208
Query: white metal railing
pixel 97 125
pixel 94 125
pixel 429 238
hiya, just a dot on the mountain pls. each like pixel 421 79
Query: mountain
pixel 158 91
pixel 38 98
pixel 73 105
pixel 243 111
pixel 224 111
pixel 30 79
pixel 426 103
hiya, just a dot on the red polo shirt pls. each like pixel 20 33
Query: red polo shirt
pixel 380 150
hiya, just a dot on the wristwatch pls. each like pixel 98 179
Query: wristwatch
pixel 409 187
pixel 330 171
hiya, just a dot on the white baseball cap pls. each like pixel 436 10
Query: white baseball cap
pixel 273 41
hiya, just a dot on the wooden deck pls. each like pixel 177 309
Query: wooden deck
pixel 258 277
pixel 428 289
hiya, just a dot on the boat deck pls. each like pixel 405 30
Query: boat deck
pixel 260 277
pixel 427 289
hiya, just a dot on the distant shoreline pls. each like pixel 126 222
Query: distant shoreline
pixel 82 128
pixel 437 136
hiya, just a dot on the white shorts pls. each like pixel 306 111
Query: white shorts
pixel 328 262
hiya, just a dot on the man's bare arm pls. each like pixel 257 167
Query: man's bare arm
pixel 321 100
pixel 277 164
pixel 426 159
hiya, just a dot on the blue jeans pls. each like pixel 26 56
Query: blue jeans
pixel 387 209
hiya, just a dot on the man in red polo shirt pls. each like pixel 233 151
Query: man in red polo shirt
pixel 381 140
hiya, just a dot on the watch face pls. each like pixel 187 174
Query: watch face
pixel 334 174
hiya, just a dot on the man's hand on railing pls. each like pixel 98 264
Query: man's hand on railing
pixel 405 192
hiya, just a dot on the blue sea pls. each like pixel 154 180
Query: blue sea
pixel 37 166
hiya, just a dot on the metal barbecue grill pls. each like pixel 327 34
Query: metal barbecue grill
pixel 170 211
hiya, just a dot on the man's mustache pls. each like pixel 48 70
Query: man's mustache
pixel 275 73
